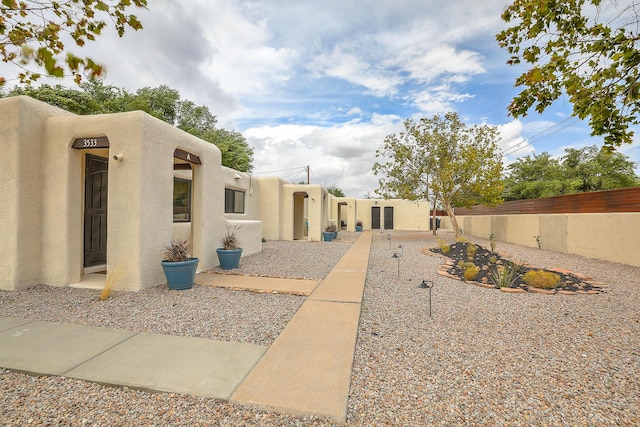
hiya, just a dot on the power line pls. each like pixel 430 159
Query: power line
pixel 279 170
pixel 532 140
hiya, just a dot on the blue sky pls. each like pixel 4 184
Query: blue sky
pixel 322 83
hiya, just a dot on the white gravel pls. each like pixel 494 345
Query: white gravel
pixel 484 358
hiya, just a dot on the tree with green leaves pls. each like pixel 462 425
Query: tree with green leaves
pixel 441 156
pixel 35 32
pixel 162 102
pixel 533 177
pixel 335 190
pixel 579 170
pixel 587 50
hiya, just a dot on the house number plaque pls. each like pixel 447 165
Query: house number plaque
pixel 91 142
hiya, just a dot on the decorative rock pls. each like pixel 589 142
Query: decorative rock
pixel 563 292
pixel 484 285
pixel 541 291
pixel 513 290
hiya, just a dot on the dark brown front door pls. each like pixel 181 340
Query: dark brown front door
pixel 375 217
pixel 95 211
pixel 388 217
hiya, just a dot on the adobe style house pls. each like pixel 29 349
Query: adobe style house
pixel 84 194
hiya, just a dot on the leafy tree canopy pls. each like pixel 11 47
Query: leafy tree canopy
pixel 586 49
pixel 36 32
pixel 162 102
pixel 441 156
pixel 333 189
pixel 579 170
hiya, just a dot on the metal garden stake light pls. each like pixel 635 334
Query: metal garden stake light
pixel 389 239
pixel 401 247
pixel 429 285
pixel 397 255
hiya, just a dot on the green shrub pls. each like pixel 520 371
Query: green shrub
pixel 470 272
pixel 471 251
pixel 443 246
pixel 541 279
pixel 493 259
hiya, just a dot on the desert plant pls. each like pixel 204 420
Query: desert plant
pixel 538 241
pixel 177 251
pixel 492 242
pixel 443 246
pixel 113 276
pixel 230 239
pixel 505 276
pixel 465 265
pixel 471 251
pixel 461 239
pixel 470 272
pixel 493 259
pixel 331 227
pixel 359 223
pixel 541 279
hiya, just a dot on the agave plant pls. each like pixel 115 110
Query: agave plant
pixel 177 251
pixel 230 239
pixel 505 276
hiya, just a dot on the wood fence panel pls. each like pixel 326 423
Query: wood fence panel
pixel 622 200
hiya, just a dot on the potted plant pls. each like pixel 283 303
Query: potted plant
pixel 230 252
pixel 358 225
pixel 179 268
pixel 329 232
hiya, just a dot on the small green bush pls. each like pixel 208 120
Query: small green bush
pixel 493 259
pixel 471 272
pixel 471 251
pixel 541 279
pixel 443 246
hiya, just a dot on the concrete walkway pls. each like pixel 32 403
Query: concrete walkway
pixel 306 370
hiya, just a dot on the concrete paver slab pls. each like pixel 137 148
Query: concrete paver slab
pixel 271 284
pixel 343 286
pixel 55 348
pixel 308 367
pixel 7 323
pixel 194 366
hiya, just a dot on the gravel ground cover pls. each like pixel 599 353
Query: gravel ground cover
pixel 484 358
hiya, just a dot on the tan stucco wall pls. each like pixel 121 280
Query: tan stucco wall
pixel 407 214
pixel 22 126
pixel 42 180
pixel 268 192
pixel 611 237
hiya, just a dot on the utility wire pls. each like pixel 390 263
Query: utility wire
pixel 530 141
pixel 280 170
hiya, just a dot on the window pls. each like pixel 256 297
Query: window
pixel 181 200
pixel 233 201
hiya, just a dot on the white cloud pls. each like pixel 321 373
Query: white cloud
pixel 341 155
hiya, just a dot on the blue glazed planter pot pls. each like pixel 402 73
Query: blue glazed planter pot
pixel 229 258
pixel 358 228
pixel 180 275
pixel 327 236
